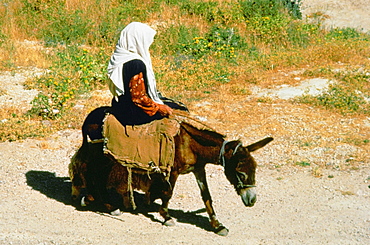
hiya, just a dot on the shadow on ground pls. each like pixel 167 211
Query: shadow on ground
pixel 47 183
pixel 59 188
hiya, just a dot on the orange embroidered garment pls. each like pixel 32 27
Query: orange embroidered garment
pixel 140 97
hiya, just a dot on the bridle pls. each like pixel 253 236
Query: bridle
pixel 222 161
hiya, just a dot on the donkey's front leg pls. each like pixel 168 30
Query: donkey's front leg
pixel 200 175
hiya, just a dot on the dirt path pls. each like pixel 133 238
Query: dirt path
pixel 327 202
pixel 293 207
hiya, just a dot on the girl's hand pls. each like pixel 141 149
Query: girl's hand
pixel 165 110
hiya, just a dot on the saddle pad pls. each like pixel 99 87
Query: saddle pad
pixel 149 147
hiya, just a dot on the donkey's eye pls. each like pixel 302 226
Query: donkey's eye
pixel 242 175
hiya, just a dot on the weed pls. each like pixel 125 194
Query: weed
pixel 322 71
pixel 239 90
pixel 301 35
pixel 303 164
pixel 264 99
pixel 260 8
pixel 58 24
pixel 307 144
pixel 342 98
pixel 347 193
pixel 317 172
pixel 21 128
pixel 269 30
pixel 3 38
pixel 356 141
pixel 293 8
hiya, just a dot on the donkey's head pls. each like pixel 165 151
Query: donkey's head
pixel 240 167
pixel 77 173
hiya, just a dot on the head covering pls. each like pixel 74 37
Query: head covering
pixel 134 43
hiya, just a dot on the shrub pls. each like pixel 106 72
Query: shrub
pixel 293 6
pixel 220 42
pixel 340 98
pixel 271 8
pixel 208 10
pixel 75 72
pixel 274 22
pixel 168 41
pixel 52 22
pixel 343 34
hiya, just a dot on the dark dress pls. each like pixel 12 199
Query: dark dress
pixel 124 109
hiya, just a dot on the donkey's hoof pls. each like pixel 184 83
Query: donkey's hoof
pixel 169 222
pixel 116 212
pixel 222 231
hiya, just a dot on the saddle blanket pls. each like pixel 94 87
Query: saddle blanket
pixel 149 147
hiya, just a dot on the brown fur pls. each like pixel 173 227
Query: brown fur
pixel 77 170
pixel 152 185
pixel 89 184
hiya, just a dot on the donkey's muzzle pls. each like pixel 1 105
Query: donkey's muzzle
pixel 248 196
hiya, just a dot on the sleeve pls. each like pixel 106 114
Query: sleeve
pixel 140 97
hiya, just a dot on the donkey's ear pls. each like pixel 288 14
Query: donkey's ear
pixel 259 144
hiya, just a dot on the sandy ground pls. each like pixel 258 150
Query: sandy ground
pixel 327 202
pixel 293 206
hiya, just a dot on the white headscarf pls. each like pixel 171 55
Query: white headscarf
pixel 133 43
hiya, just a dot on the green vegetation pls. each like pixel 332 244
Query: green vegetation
pixel 351 94
pixel 219 42
pixel 208 44
pixel 303 164
pixel 76 71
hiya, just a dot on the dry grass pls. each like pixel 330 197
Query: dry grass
pixel 10 27
pixel 31 53
pixel 301 128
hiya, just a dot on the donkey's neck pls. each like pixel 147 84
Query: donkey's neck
pixel 210 154
pixel 205 145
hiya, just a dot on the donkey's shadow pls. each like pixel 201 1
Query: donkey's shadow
pixel 59 188
pixel 47 183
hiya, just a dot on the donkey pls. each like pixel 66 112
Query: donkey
pixel 194 148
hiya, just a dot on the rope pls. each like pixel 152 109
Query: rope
pixel 177 114
pixel 222 152
pixel 130 189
